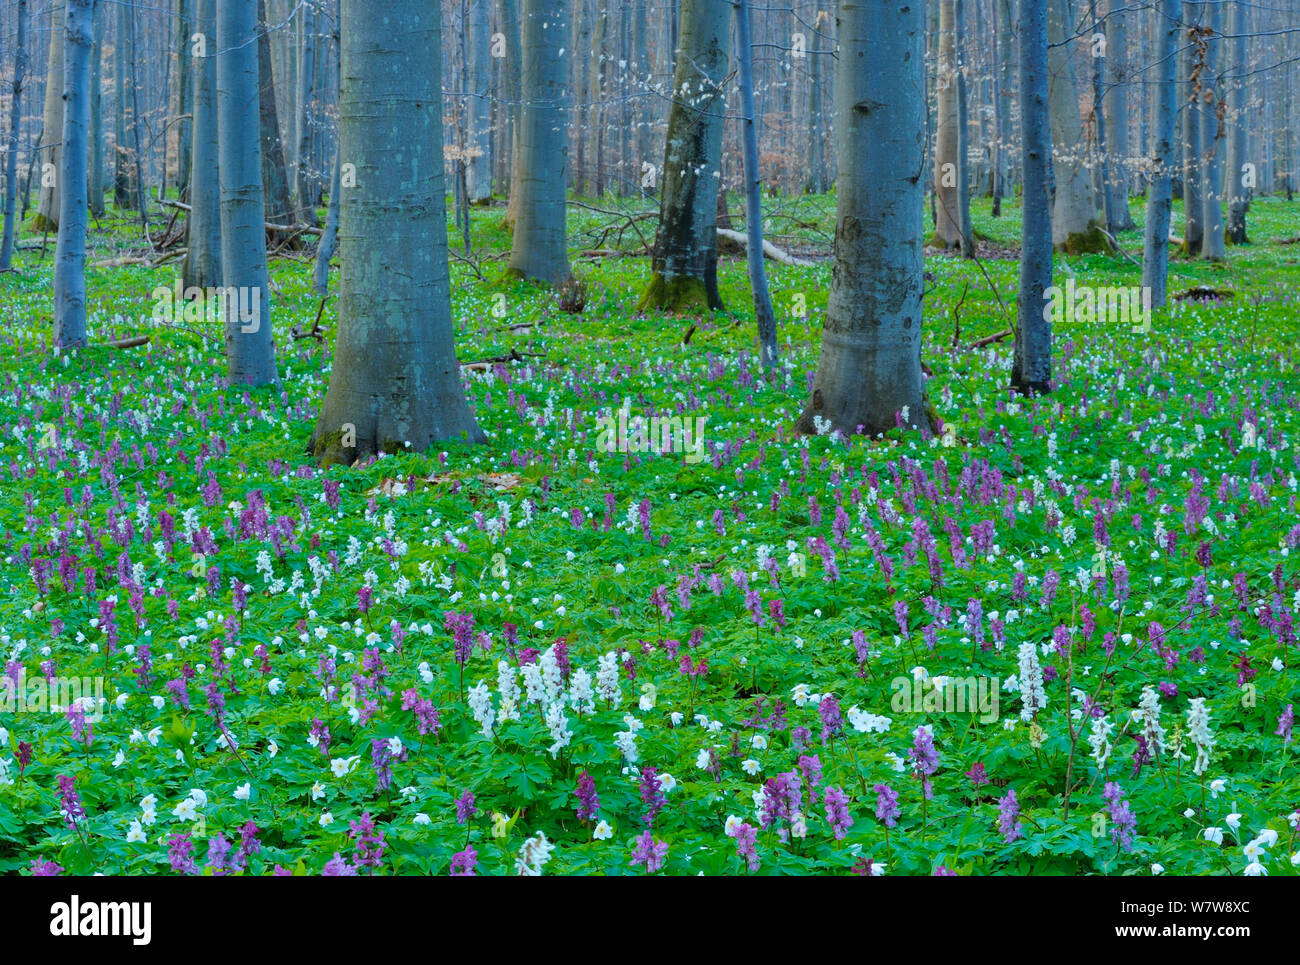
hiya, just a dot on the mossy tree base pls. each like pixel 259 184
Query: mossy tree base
pixel 1094 239
pixel 43 224
pixel 679 294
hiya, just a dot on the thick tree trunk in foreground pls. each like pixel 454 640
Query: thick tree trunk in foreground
pixel 538 250
pixel 70 252
pixel 1031 370
pixel 395 385
pixel 685 262
pixel 50 161
pixel 250 348
pixel 1074 214
pixel 202 268
pixel 869 368
pixel 1155 248
pixel 765 317
pixel 11 154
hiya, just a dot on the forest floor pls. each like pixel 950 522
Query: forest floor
pixel 744 657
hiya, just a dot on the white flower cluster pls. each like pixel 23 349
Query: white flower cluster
pixel 1033 697
pixel 1198 728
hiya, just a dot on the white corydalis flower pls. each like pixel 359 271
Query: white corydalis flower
pixel 1033 697
pixel 1099 741
pixel 1148 715
pixel 1198 729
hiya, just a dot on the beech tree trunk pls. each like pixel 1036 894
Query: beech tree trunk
pixel 1213 143
pixel 478 170
pixel 11 155
pixel 765 317
pixel 538 250
pixel 1116 104
pixel 50 159
pixel 951 178
pixel 1155 249
pixel 869 367
pixel 1074 213
pixel 395 385
pixel 1237 183
pixel 685 262
pixel 202 266
pixel 1031 371
pixel 96 176
pixel 250 348
pixel 70 253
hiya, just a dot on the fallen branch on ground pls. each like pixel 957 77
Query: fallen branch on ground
pixel 990 339
pixel 769 250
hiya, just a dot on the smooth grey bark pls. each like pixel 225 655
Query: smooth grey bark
pixel 250 346
pixel 280 208
pixel 816 182
pixel 538 249
pixel 1116 105
pixel 951 177
pixel 70 251
pixel 1009 83
pixel 1074 212
pixel 184 94
pixel 1238 191
pixel 50 162
pixel 869 366
pixel 1031 371
pixel 306 96
pixel 1193 203
pixel 329 237
pixel 202 266
pixel 478 170
pixel 1103 161
pixel 1213 143
pixel 141 196
pixel 395 384
pixel 1168 17
pixel 513 70
pixel 96 176
pixel 124 183
pixel 639 70
pixel 764 316
pixel 11 155
pixel 1000 118
pixel 685 262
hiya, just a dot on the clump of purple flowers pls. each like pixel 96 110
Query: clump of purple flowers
pixel 1009 817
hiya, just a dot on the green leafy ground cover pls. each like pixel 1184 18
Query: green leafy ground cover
pixel 709 650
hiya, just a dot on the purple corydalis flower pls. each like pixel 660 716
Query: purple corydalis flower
pixel 652 794
pixel 837 812
pixel 463 862
pixel 461 626
pixel 832 718
pixel 924 757
pixel 369 842
pixel 588 801
pixel 649 852
pixel 465 808
pixel 71 800
pixel 1008 817
pixel 886 805
pixel 1285 723
pixel 746 837
pixel 45 869
pixel 180 851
